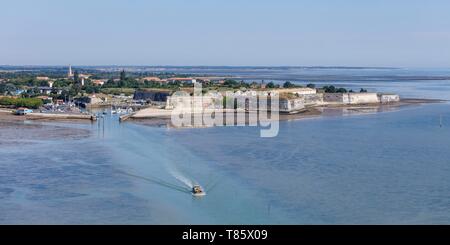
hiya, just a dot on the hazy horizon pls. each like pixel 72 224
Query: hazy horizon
pixel 350 33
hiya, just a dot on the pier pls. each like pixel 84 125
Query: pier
pixel 49 116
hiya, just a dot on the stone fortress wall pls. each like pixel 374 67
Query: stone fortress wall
pixel 291 100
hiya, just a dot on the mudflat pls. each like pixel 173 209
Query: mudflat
pixel 17 130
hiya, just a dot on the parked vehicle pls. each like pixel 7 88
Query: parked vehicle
pixel 23 111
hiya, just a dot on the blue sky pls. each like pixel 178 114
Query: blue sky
pixel 397 33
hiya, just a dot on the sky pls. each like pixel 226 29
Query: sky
pixel 401 33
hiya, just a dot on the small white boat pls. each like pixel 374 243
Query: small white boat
pixel 198 191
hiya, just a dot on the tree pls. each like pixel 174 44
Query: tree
pixel 311 85
pixel 10 88
pixel 110 84
pixel 270 85
pixel 230 82
pixel 91 89
pixel 75 90
pixel 43 83
pixel 341 90
pixel 60 83
pixel 123 75
pixel 363 90
pixel 122 83
pixel 329 89
pixel 76 77
pixel 288 84
pixel 22 102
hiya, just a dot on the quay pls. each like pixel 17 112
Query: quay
pixel 50 116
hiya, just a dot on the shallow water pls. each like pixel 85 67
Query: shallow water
pixel 382 168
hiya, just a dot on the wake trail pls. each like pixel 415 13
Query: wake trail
pixel 180 177
pixel 157 181
pixel 171 168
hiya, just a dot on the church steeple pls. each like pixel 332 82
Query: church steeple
pixel 70 74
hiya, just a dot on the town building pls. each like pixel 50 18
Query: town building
pixel 49 90
pixel 99 82
pixel 186 80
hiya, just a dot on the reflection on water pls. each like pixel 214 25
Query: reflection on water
pixel 365 168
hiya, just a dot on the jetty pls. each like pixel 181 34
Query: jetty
pixel 55 116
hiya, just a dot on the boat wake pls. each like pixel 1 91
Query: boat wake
pixel 185 184
pixel 180 177
pixel 157 181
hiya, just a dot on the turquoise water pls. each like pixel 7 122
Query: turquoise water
pixel 384 168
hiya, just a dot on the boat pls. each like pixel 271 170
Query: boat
pixel 198 191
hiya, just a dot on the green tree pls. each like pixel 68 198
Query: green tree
pixel 6 101
pixel 43 83
pixel 288 84
pixel 341 90
pixel 110 84
pixel 2 88
pixel 76 77
pixel 123 75
pixel 122 84
pixel 60 83
pixel 329 89
pixel 75 90
pixel 363 90
pixel 230 83
pixel 270 85
pixel 311 85
pixel 10 88
pixel 22 102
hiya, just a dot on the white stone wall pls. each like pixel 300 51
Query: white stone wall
pixel 186 102
pixel 333 98
pixel 291 105
pixel 388 98
pixel 312 99
pixel 362 98
pixel 351 98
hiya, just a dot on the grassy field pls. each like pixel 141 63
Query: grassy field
pixel 118 91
